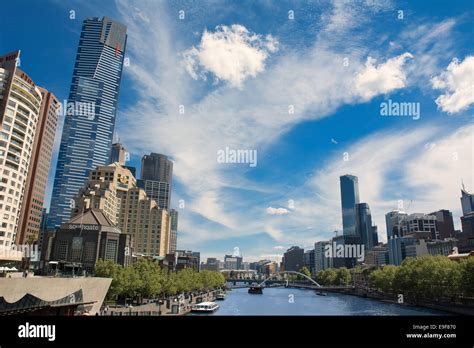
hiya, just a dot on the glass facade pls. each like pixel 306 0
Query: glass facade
pixel 364 225
pixel 90 112
pixel 349 199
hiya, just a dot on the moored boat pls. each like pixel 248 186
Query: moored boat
pixel 220 296
pixel 205 307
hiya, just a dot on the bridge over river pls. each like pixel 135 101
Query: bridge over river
pixel 274 280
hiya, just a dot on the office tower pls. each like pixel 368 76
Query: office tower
pixel 310 261
pixel 43 228
pixel 105 190
pixel 420 225
pixel 173 230
pixel 467 220
pixel 233 262
pixel 20 108
pixel 364 225
pixel 321 260
pixel 375 236
pixel 467 201
pixel 118 154
pixel 394 221
pixel 156 175
pixel 293 259
pixel 444 223
pixel 90 114
pixel 349 199
pixel 112 190
pixel 38 171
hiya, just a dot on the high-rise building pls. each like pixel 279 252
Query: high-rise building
pixel 394 221
pixel 157 167
pixel 444 223
pixel 90 117
pixel 467 201
pixel 364 225
pixel 310 260
pixel 293 259
pixel 173 230
pixel 349 198
pixel 420 224
pixel 38 170
pixel 233 262
pixel 321 260
pixel 20 109
pixel 156 177
pixel 112 189
pixel 375 236
pixel 118 154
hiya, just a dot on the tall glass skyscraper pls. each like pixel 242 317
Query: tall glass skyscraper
pixel 90 112
pixel 349 199
pixel 364 225
pixel 156 176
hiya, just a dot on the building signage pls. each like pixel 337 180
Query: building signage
pixel 83 227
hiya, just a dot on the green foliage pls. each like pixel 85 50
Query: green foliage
pixel 145 279
pixel 383 278
pixel 334 276
pixel 467 276
pixel 426 278
pixel 305 271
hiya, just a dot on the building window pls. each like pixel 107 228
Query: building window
pixel 111 250
pixel 62 250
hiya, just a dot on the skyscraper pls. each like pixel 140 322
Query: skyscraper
pixel 90 114
pixel 444 223
pixel 156 176
pixel 20 105
pixel 118 154
pixel 467 201
pixel 29 224
pixel 173 230
pixel 349 199
pixel 364 225
pixel 394 221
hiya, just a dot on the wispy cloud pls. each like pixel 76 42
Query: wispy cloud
pixel 190 120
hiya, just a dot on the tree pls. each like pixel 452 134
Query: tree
pixel 305 271
pixel 467 276
pixel 343 276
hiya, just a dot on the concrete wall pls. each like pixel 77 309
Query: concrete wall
pixel 51 289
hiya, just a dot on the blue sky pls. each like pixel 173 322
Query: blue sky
pixel 236 68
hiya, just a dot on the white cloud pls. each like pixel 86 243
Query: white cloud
pixel 279 247
pixel 218 197
pixel 277 211
pixel 383 78
pixel 232 54
pixel 458 83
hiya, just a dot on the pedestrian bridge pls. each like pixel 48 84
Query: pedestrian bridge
pixel 274 280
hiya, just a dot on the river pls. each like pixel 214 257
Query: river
pixel 289 301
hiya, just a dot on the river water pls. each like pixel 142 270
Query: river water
pixel 288 301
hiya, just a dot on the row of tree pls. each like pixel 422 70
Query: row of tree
pixel 145 279
pixel 426 277
pixel 334 276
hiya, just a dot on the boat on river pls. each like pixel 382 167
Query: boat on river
pixel 220 296
pixel 205 307
pixel 255 290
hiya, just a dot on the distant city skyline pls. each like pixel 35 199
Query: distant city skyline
pixel 295 91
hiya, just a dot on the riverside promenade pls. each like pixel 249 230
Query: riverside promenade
pixel 176 305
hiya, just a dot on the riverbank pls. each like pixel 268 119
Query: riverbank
pixel 176 305
pixel 451 308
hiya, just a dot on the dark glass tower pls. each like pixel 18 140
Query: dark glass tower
pixel 364 225
pixel 349 199
pixel 156 175
pixel 87 137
